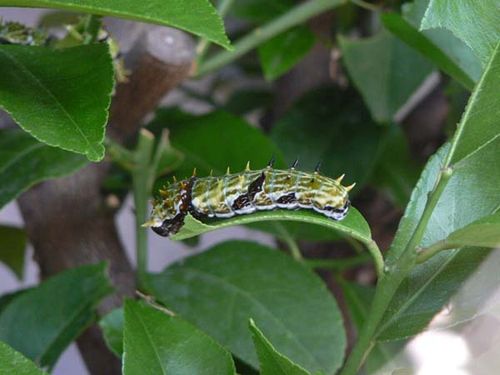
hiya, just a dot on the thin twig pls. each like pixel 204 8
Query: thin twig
pixel 366 5
pixel 295 16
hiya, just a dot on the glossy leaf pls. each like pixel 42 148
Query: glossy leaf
pixel 479 124
pixel 353 225
pixel 476 23
pixel 12 248
pixel 386 72
pixel 428 290
pixel 112 330
pixel 431 284
pixel 474 147
pixel 157 343
pixel 196 16
pixel 281 53
pixel 330 125
pixel 477 296
pixel 270 361
pixel 456 50
pixel 484 232
pixel 12 362
pixel 24 162
pixel 471 194
pixel 221 289
pixel 72 88
pixel 43 321
pixel 423 44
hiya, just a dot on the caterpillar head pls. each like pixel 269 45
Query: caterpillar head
pixel 167 215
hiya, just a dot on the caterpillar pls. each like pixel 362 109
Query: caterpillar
pixel 246 192
pixel 17 33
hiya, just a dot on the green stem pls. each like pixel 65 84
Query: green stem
pixel 377 256
pixel 223 7
pixel 119 154
pixel 428 252
pixel 293 17
pixel 290 242
pixel 92 26
pixel 358 248
pixel 294 248
pixel 141 191
pixel 339 264
pixel 143 176
pixel 392 278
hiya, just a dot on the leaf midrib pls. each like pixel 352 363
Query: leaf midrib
pixel 149 340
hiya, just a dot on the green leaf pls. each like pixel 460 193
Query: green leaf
pixel 471 194
pixel 280 54
pixel 72 88
pixel 24 162
pixel 12 362
pixel 472 191
pixel 112 330
pixel 484 232
pixel 453 47
pixel 196 16
pixel 427 290
pixel 431 284
pixel 221 289
pixel 12 248
pixel 386 72
pixel 475 22
pixel 353 225
pixel 297 230
pixel 214 142
pixel 421 43
pixel 157 343
pixel 477 296
pixel 271 362
pixel 332 126
pixel 260 11
pixel 479 124
pixel 243 101
pixel 384 356
pixel 7 298
pixel 43 321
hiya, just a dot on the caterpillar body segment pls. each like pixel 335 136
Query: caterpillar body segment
pixel 247 192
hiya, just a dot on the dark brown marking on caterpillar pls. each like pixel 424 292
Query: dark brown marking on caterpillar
pixel 287 199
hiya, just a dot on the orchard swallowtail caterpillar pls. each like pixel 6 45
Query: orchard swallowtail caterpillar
pixel 246 192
